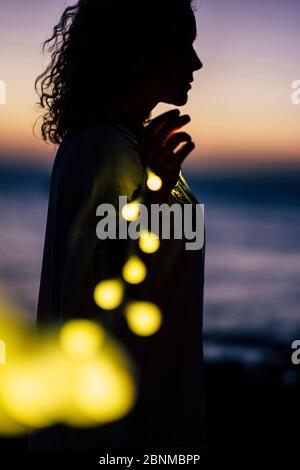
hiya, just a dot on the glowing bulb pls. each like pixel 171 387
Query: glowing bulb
pixel 154 182
pixel 28 396
pixel 109 294
pixel 143 318
pixel 134 271
pixel 81 339
pixel 131 211
pixel 149 242
pixel 77 377
pixel 104 392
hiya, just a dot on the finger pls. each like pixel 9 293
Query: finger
pixel 151 130
pixel 176 139
pixel 170 128
pixel 158 121
pixel 184 152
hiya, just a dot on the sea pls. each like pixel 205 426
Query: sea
pixel 252 281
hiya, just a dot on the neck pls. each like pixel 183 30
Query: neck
pixel 135 114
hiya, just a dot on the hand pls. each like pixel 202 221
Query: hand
pixel 158 145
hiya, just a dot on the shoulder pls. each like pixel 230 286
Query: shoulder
pixel 103 155
pixel 101 134
pixel 101 141
pixel 108 140
pixel 113 157
pixel 107 149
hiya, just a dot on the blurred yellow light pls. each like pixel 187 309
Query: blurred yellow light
pixel 81 339
pixel 143 318
pixel 131 211
pixel 154 182
pixel 2 353
pixel 75 375
pixel 15 330
pixel 28 396
pixel 134 271
pixel 149 242
pixel 9 427
pixel 103 391
pixel 109 294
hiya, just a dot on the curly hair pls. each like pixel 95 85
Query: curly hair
pixel 100 50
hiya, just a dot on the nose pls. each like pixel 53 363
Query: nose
pixel 197 64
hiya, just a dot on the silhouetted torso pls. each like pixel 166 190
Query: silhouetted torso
pixel 95 167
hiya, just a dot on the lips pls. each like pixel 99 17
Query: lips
pixel 189 83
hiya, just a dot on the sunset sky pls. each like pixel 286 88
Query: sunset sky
pixel 240 104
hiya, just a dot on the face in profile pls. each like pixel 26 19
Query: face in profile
pixel 180 63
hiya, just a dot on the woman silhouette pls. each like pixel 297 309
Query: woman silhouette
pixel 111 63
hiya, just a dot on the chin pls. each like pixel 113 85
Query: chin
pixel 178 100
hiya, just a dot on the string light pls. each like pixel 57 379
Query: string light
pixel 103 391
pixel 81 339
pixel 79 377
pixel 109 294
pixel 131 211
pixel 143 318
pixel 76 378
pixel 149 242
pixel 154 182
pixel 29 395
pixel 134 271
